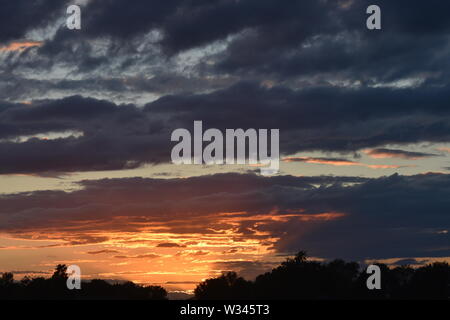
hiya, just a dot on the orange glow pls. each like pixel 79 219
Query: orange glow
pixel 322 216
pixel 321 161
pixel 20 46
pixel 338 162
pixel 378 154
pixel 444 149
pixel 384 166
pixel 172 253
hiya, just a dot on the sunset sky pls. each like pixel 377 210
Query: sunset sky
pixel 86 117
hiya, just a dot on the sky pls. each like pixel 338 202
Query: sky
pixel 86 118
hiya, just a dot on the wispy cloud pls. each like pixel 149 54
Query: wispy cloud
pixel 339 162
pixel 20 46
pixel 382 153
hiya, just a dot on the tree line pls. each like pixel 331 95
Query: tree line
pixel 300 278
pixel 55 288
pixel 295 278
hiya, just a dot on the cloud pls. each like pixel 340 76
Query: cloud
pixel 338 162
pixel 381 153
pixel 102 251
pixel 19 17
pixel 395 209
pixel 409 262
pixel 115 137
pixel 444 149
pixel 296 47
pixel 291 213
pixel 20 46
pixel 320 119
pixel 246 269
pixel 29 272
pixel 291 47
pixel 139 256
pixel 169 245
pixel 236 69
pixel 193 253
pixel 308 68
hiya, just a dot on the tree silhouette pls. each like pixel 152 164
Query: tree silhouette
pixel 299 278
pixel 7 284
pixel 6 279
pixel 431 282
pixel 295 278
pixel 227 286
pixel 60 272
pixel 55 288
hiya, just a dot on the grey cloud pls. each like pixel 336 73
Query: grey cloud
pixel 19 16
pixel 125 136
pixel 114 137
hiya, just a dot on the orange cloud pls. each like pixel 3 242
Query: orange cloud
pixel 333 162
pixel 383 166
pixel 20 45
pixel 339 162
pixel 444 149
pixel 382 153
pixel 322 216
pixel 139 256
pixel 102 251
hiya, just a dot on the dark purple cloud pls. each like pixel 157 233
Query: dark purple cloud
pixel 125 136
pixel 19 16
